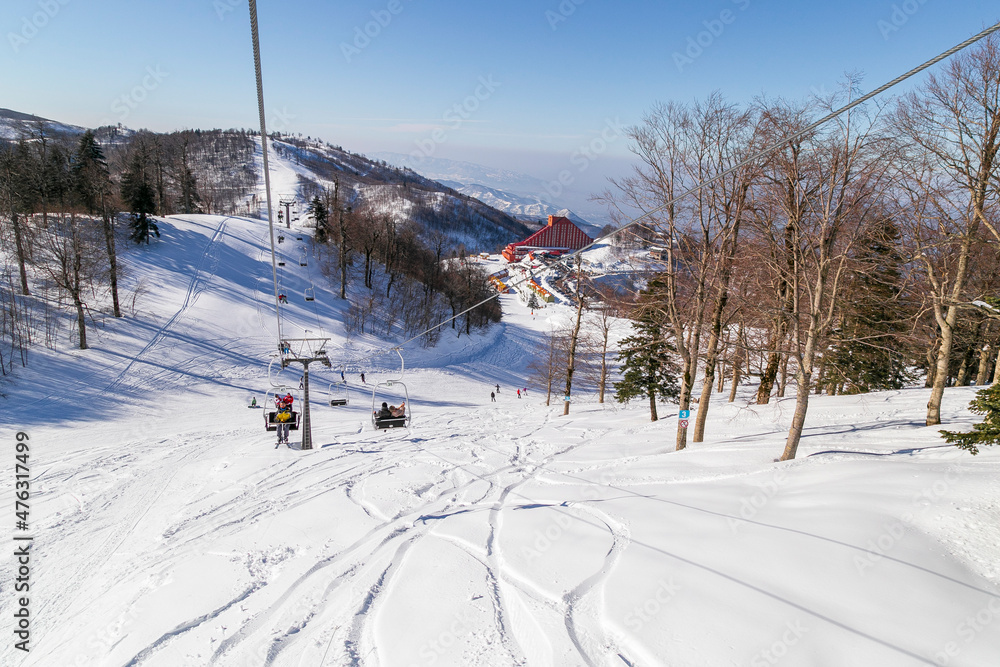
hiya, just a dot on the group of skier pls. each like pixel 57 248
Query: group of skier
pixel 493 395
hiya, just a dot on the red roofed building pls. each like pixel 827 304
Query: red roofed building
pixel 560 234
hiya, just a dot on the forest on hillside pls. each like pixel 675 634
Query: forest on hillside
pixel 69 201
pixel 857 256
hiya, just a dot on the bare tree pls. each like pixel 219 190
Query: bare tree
pixel 574 339
pixel 547 368
pixel 953 128
pixel 842 169
pixel 731 135
pixel 71 259
pixel 604 318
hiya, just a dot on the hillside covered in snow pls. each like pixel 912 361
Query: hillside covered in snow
pixel 169 529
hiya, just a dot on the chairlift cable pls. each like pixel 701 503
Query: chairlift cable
pixel 263 143
pixel 703 184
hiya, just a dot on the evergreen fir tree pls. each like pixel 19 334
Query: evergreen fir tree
pixel 986 402
pixel 648 367
pixel 865 353
pixel 92 183
pixel 190 201
pixel 319 213
pixel 533 302
pixel 90 173
pixel 140 196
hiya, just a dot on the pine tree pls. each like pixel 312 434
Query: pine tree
pixel 648 367
pixel 190 201
pixel 866 354
pixel 92 183
pixel 986 402
pixel 140 196
pixel 320 214
pixel 90 172
pixel 533 302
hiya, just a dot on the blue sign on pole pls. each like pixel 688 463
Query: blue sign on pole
pixel 684 414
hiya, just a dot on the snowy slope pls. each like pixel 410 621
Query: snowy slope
pixel 15 125
pixel 170 531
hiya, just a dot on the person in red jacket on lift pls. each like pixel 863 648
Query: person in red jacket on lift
pixel 284 406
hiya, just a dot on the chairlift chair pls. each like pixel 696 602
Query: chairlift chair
pixel 281 239
pixel 310 294
pixel 302 258
pixel 382 423
pixel 271 412
pixel 337 394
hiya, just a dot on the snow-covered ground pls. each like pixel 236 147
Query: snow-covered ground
pixel 171 531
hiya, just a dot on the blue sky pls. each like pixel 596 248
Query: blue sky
pixel 533 81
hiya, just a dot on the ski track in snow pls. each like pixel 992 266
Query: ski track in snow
pixel 320 549
pixel 204 263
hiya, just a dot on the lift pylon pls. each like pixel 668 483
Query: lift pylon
pixel 304 351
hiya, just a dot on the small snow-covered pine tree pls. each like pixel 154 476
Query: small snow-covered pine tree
pixel 533 302
pixel 986 402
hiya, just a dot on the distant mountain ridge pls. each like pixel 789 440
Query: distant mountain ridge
pixel 435 209
pixel 15 124
pixel 503 189
pixel 466 173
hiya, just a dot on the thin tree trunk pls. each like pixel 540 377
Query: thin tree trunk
pixel 81 321
pixel 783 376
pixel 799 418
pixel 962 379
pixel 109 241
pixel 984 365
pixel 803 376
pixel 604 370
pixel 19 248
pixel 941 370
pixel 735 382
pixel 711 360
pixel 931 357
pixel 996 369
pixel 571 366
